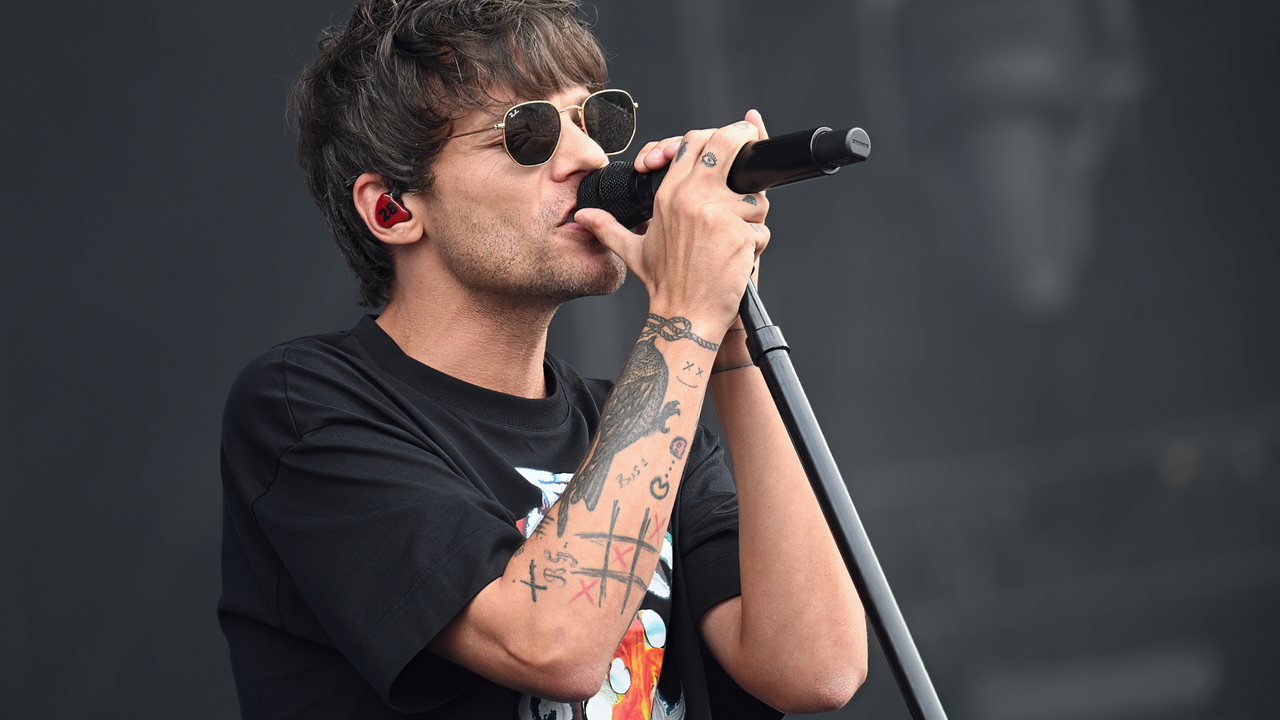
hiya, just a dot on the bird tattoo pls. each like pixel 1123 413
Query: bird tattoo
pixel 634 411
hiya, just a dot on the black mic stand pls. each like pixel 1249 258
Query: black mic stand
pixel 772 355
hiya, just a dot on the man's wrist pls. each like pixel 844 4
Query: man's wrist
pixel 671 324
pixel 733 353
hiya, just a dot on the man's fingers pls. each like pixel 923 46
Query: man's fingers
pixel 656 155
pixel 722 147
pixel 754 207
pixel 671 148
pixel 624 243
pixel 644 152
pixel 754 117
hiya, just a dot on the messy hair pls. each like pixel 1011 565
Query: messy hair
pixel 385 89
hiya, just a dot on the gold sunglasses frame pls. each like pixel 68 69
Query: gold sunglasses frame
pixel 581 123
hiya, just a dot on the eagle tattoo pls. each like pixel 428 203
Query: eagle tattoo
pixel 634 411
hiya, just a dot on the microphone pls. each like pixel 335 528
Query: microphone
pixel 628 195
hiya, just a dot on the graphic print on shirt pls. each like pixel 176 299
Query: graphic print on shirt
pixel 630 691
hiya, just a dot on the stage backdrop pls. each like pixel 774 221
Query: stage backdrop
pixel 1038 326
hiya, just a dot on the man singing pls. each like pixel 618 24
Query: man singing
pixel 427 515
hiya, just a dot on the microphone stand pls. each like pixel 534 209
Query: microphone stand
pixel 771 354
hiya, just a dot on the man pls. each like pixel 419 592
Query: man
pixel 429 515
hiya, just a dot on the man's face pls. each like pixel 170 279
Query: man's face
pixel 505 230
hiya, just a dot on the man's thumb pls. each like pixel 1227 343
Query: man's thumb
pixel 608 231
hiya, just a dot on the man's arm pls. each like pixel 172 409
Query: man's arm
pixel 796 637
pixel 550 625
pixel 529 631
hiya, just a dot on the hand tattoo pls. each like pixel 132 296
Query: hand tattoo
pixel 750 200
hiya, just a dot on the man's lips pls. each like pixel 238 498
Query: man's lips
pixel 568 216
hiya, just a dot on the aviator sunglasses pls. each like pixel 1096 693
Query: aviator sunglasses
pixel 531 130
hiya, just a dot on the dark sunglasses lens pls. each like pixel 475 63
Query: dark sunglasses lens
pixel 532 131
pixel 610 119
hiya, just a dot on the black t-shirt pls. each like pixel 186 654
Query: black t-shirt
pixel 368 498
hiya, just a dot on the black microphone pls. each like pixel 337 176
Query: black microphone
pixel 628 195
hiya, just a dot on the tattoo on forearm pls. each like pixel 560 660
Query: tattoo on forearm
pixel 555 575
pixel 672 329
pixel 680 153
pixel 635 410
pixel 659 487
pixel 534 587
pixel 585 590
pixel 693 372
pixel 750 200
pixel 626 550
pixel 658 525
pixel 625 480
pixel 559 558
pixel 709 159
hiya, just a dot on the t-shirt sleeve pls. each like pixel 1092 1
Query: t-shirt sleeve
pixel 708 529
pixel 385 536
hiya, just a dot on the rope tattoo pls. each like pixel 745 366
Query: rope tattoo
pixel 672 329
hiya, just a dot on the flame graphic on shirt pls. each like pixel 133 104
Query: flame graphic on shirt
pixel 644 665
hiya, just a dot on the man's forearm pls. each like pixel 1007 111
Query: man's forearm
pixel 550 625
pixel 796 637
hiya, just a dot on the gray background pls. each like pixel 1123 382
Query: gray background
pixel 1038 327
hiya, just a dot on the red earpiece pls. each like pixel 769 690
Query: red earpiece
pixel 390 212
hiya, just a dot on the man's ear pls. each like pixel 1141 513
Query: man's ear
pixel 387 218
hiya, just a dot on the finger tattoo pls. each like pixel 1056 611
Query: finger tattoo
pixel 709 159
pixel 683 146
pixel 749 200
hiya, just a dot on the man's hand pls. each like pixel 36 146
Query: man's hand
pixel 697 252
pixel 796 636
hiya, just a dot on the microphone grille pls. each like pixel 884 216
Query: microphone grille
pixel 609 190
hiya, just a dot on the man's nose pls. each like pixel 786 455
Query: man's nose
pixel 577 151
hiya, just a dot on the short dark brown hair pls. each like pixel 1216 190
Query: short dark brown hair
pixel 385 89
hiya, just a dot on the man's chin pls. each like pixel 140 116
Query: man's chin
pixel 607 281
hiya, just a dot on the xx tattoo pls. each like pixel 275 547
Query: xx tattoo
pixel 694 370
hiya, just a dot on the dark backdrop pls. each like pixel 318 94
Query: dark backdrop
pixel 1067 459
